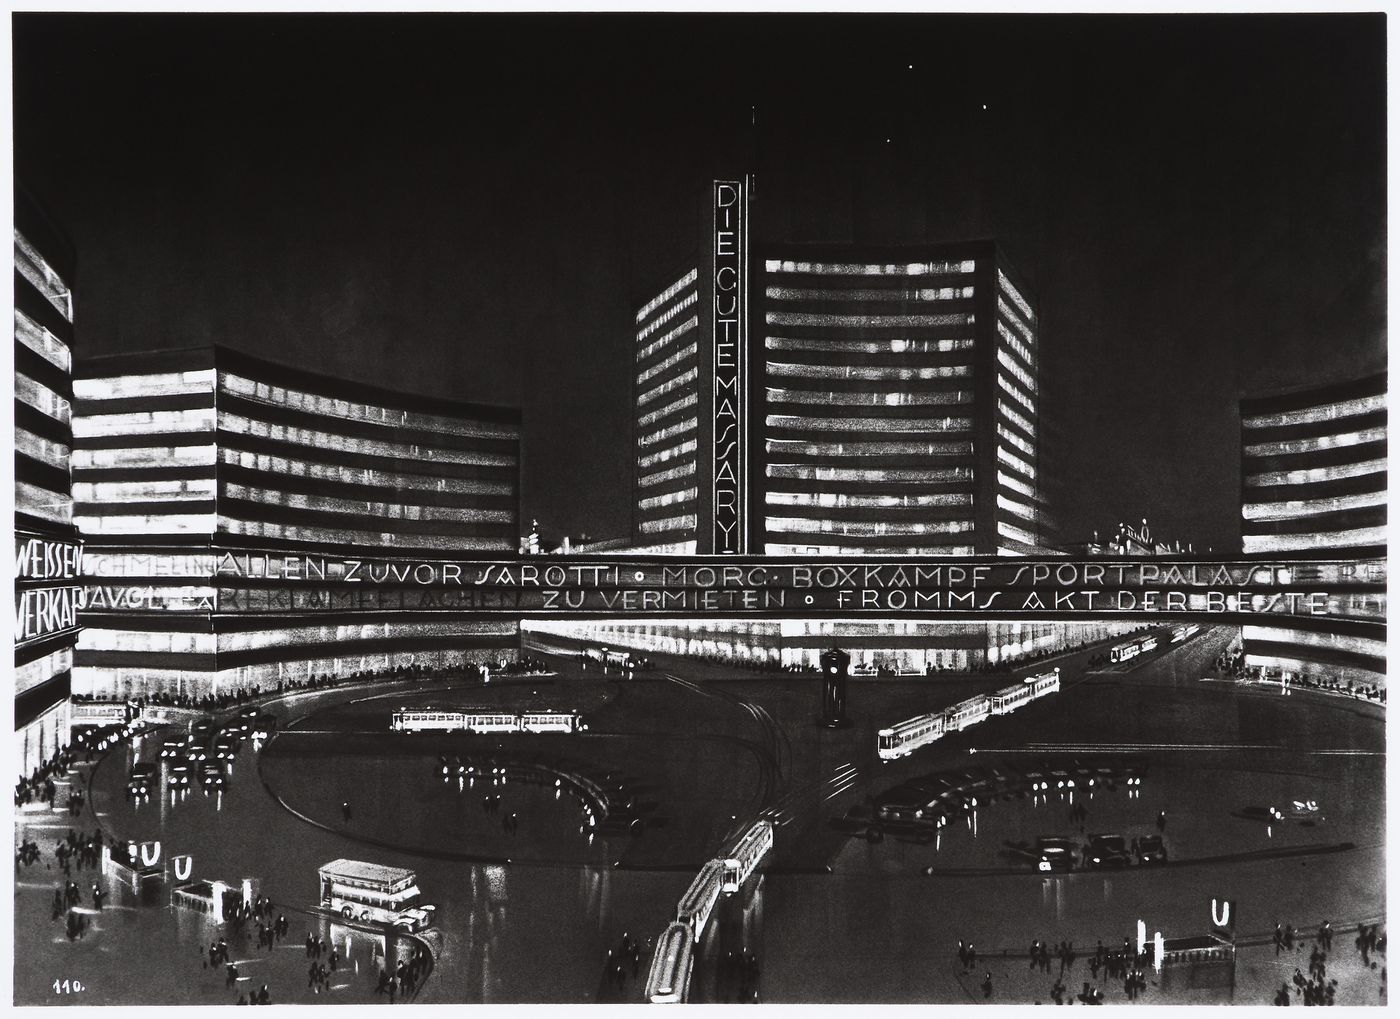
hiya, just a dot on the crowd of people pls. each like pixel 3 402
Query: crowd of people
pixel 1232 665
pixel 39 786
pixel 626 955
pixel 407 977
pixel 1317 988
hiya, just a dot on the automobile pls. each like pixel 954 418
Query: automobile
pixel 1305 811
pixel 173 747
pixel 195 748
pixel 1150 849
pixel 1106 852
pixel 1054 854
pixel 204 727
pixel 864 670
pixel 211 775
pixel 143 778
pixel 224 748
pixel 179 776
pixel 264 726
pixel 416 918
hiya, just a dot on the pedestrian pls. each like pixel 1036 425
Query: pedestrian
pixel 345 811
pixel 263 997
pixel 962 955
pixel 987 985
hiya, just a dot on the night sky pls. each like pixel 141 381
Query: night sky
pixel 469 206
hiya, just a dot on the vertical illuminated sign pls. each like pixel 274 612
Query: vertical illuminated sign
pixel 730 369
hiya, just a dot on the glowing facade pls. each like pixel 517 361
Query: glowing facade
pixel 1314 473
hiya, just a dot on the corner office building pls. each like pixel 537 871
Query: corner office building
pixel 46 542
pixel 184 456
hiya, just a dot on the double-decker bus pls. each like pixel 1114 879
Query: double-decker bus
pixel 965 713
pixel 371 892
pixel 747 855
pixel 1130 649
pixel 908 735
pixel 699 899
pixel 668 981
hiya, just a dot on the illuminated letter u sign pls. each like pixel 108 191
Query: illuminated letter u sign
pixel 183 866
pixel 150 853
pixel 1220 912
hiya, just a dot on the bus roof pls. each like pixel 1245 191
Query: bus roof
pixel 358 870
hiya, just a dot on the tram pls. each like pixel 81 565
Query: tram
pixel 1130 649
pixel 747 855
pixel 968 712
pixel 700 898
pixel 438 720
pixel 668 981
pixel 908 736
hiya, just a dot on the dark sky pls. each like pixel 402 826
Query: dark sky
pixel 468 206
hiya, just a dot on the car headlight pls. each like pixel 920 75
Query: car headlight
pixel 1044 864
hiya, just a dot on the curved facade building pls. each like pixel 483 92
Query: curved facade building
pixel 1314 485
pixel 196 471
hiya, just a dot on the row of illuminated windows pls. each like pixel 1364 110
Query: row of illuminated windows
pixel 148 523
pixel 42 342
pixel 834 500
pixel 865 424
pixel 1020 509
pixel 1015 484
pixel 669 432
pixel 55 454
pixel 667 337
pixel 669 474
pixel 1322 412
pixel 1008 458
pixel 669 499
pixel 662 455
pixel 868 346
pixel 240 425
pixel 140 457
pixel 1015 343
pixel 1294 508
pixel 389 510
pixel 311 403
pixel 869 269
pixel 177 642
pixel 665 548
pixel 43 399
pixel 685 378
pixel 1314 541
pixel 896 398
pixel 33 267
pixel 126 387
pixel 55 507
pixel 670 292
pixel 1015 440
pixel 144 491
pixel 806 447
pixel 674 359
pixel 259 529
pixel 1015 533
pixel 41 670
pixel 1316 443
pixel 360 476
pixel 870 372
pixel 804 472
pixel 1315 475
pixel 1008 315
pixel 1311 638
pixel 1020 374
pixel 774 548
pixel 1016 394
pixel 866 528
pixel 813 318
pixel 663 524
pixel 883 294
pixel 687 302
pixel 1009 288
pixel 688 400
pixel 1016 418
pixel 196 419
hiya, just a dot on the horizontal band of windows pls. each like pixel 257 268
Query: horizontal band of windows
pixel 654 547
pixel 138 404
pixel 1270 651
pixel 338 535
pixel 866 424
pixel 161 422
pixel 668 499
pixel 906 517
pixel 49 698
pixel 873 374
pixel 888 461
pixel 815 473
pixel 1018 373
pixel 879 447
pixel 1356 485
pixel 776 265
pixel 1295 508
pixel 1316 443
pixel 669 474
pixel 238 425
pixel 688 400
pixel 673 523
pixel 865 528
pixel 660 321
pixel 879 359
pixel 42 669
pixel 296 511
pixel 1323 412
pixel 664 455
pixel 657 345
pixel 668 432
pixel 1010 290
pixel 41 475
pixel 900 346
pixel 130 387
pixel 150 666
pixel 1016 393
pixel 174 489
pixel 1340 459
pixel 334 455
pixel 55 507
pixel 890 321
pixel 43 343
pixel 912 544
pixel 1016 346
pixel 685 378
pixel 671 291
pixel 868 397
pixel 1314 541
pixel 812 488
pixel 152 439
pixel 42 425
pixel 1343 426
pixel 1019 509
pixel 1311 638
pixel 55 454
pixel 35 268
pixel 95 642
pixel 1006 315
pixel 837 500
pixel 389 510
pixel 685 353
pixel 262 471
pixel 902 293
pixel 31 302
pixel 1014 441
pixel 1317 475
pixel 31 364
pixel 35 649
pixel 434 427
pixel 1009 530
pixel 1332 520
pixel 1015 484
pixel 43 399
pixel 1016 418
pixel 142 457
pixel 1015 462
pixel 163 523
